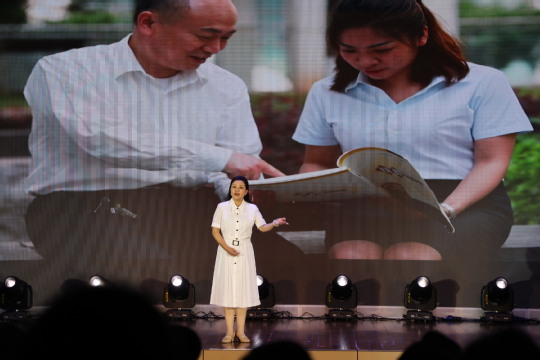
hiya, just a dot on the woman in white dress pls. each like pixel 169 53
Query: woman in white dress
pixel 234 285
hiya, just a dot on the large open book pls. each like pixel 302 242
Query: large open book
pixel 360 173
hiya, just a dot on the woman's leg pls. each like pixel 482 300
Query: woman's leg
pixel 411 250
pixel 356 249
pixel 241 321
pixel 229 321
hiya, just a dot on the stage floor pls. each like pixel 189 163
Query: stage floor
pixel 371 339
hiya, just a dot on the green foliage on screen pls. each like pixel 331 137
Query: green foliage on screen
pixel 523 179
pixel 470 8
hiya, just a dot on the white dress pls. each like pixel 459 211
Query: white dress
pixel 235 277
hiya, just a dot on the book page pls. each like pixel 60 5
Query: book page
pixel 324 185
pixel 390 171
pixel 364 172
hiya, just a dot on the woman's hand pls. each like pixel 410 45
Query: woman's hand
pixel 320 158
pixel 232 251
pixel 216 233
pixel 274 224
pixel 280 221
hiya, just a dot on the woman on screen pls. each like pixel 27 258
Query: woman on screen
pixel 401 82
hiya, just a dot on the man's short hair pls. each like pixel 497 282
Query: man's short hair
pixel 169 9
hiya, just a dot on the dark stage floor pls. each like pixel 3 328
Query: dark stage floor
pixel 344 339
pixel 369 337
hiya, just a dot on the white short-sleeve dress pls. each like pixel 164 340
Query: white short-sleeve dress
pixel 235 277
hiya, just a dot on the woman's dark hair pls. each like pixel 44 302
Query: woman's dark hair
pixel 169 8
pixel 241 178
pixel 404 20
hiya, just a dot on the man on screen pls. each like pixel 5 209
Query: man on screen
pixel 131 142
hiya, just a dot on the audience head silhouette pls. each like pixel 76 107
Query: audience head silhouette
pixel 433 345
pixel 11 337
pixel 507 343
pixel 107 321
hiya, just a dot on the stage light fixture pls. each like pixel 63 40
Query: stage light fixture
pixel 341 298
pixel 15 298
pixel 420 297
pixel 179 297
pixel 497 297
pixel 267 298
pixel 98 280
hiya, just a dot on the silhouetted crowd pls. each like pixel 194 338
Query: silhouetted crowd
pixel 122 322
pixel 504 343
